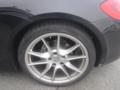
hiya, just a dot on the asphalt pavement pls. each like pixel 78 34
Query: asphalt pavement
pixel 106 77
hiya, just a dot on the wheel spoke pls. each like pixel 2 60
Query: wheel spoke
pixel 65 71
pixel 58 43
pixel 70 58
pixel 47 68
pixel 46 44
pixel 71 66
pixel 38 63
pixel 38 54
pixel 54 72
pixel 70 50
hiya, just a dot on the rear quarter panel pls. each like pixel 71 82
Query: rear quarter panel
pixel 87 9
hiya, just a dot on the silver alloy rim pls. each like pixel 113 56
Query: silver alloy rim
pixel 56 58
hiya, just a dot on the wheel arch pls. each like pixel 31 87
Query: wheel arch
pixel 93 32
pixel 10 17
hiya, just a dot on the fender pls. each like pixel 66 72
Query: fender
pixel 26 19
pixel 12 11
pixel 99 40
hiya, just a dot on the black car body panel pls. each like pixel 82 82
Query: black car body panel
pixel 17 15
pixel 112 36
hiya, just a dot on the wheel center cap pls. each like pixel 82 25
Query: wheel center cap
pixel 56 59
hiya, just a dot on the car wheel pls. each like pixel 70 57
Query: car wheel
pixel 56 53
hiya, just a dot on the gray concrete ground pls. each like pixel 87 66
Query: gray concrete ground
pixel 101 78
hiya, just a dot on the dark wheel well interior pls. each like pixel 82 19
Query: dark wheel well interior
pixel 92 35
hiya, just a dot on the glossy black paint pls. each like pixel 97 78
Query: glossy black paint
pixel 106 40
pixel 94 33
pixel 112 36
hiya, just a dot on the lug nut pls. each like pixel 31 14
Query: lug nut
pixel 62 63
pixel 53 64
pixel 50 58
pixel 63 57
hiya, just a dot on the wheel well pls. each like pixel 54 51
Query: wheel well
pixel 94 36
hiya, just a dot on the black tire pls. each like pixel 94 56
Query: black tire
pixel 66 28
